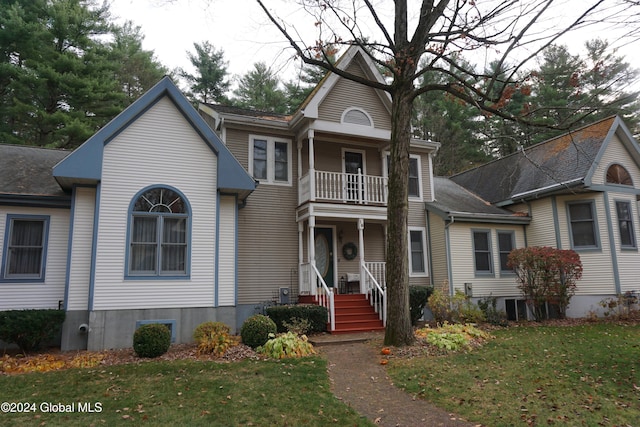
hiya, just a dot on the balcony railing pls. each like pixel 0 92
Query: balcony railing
pixel 343 187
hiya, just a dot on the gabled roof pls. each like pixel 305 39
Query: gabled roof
pixel 309 107
pixel 559 164
pixel 84 165
pixel 453 202
pixel 25 174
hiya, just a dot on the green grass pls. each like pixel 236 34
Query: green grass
pixel 294 392
pixel 570 375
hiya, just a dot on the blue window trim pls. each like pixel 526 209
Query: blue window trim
pixel 169 322
pixel 491 271
pixel 633 246
pixel 159 275
pixel 596 231
pixel 512 234
pixel 45 243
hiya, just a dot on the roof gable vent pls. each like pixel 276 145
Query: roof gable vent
pixel 357 116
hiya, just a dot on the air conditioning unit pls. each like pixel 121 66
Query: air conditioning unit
pixel 284 296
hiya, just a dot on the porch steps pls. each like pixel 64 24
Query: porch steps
pixel 353 314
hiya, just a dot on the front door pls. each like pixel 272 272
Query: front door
pixel 324 254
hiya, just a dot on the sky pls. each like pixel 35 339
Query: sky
pixel 241 29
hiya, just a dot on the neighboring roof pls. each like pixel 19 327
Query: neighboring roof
pixel 25 173
pixel 84 165
pixel 558 164
pixel 454 202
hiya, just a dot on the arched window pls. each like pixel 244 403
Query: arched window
pixel 617 174
pixel 159 233
pixel 357 116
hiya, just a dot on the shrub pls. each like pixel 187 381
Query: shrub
pixel 491 313
pixel 297 326
pixel 208 328
pixel 315 314
pixel 287 345
pixel 29 329
pixel 151 340
pixel 418 297
pixel 213 338
pixel 546 275
pixel 457 309
pixel 620 306
pixel 453 337
pixel 256 329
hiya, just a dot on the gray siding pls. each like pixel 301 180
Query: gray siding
pixel 267 230
pixel 346 94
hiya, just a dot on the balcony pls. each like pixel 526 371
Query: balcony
pixel 339 187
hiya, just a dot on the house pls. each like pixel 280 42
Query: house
pixel 137 225
pixel 317 221
pixel 159 217
pixel 577 191
pixel 175 215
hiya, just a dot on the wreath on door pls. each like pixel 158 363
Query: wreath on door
pixel 349 251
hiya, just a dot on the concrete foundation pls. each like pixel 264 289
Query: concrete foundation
pixel 111 329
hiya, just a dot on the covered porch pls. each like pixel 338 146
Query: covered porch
pixel 342 255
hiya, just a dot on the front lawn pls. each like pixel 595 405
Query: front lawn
pixel 294 392
pixel 585 375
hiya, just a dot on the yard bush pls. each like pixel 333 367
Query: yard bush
pixel 29 329
pixel 256 329
pixel 546 275
pixel 151 340
pixel 315 314
pixel 488 305
pixel 457 308
pixel 418 297
pixel 287 345
pixel 213 338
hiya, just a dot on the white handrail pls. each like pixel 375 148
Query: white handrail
pixel 379 298
pixel 325 298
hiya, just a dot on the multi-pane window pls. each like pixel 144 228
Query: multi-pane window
pixel 159 234
pixel 26 245
pixel 482 252
pixel 414 175
pixel 506 243
pixel 414 178
pixel 270 160
pixel 417 252
pixel 583 225
pixel 625 224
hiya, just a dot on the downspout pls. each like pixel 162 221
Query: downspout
pixel 427 219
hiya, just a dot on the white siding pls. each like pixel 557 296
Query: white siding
pixel 627 259
pixel 616 153
pixel 227 252
pixel 462 263
pixel 597 275
pixel 45 294
pixel 541 231
pixel 81 247
pixel 160 147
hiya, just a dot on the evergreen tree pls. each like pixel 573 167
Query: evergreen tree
pixel 259 90
pixel 138 70
pixel 209 83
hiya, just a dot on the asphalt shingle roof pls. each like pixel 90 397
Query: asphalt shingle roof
pixel 26 170
pixel 563 159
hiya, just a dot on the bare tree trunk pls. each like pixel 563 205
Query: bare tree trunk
pixel 398 330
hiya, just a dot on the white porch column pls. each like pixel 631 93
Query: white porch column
pixel 300 257
pixel 299 146
pixel 312 167
pixel 361 252
pixel 312 254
